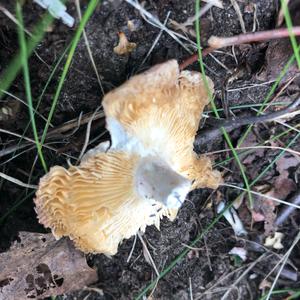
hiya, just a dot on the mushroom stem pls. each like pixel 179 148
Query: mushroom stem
pixel 156 180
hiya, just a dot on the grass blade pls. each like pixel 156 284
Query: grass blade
pixel 288 20
pixel 88 13
pixel 24 62
pixel 10 73
pixel 214 108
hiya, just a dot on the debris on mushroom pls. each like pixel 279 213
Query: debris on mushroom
pixel 275 241
pixel 145 174
pixel 159 111
pixel 124 46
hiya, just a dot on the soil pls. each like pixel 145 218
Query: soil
pixel 205 265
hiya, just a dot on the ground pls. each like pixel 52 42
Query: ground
pixel 207 271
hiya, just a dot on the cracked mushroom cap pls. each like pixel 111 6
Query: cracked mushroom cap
pixel 108 198
pixel 159 112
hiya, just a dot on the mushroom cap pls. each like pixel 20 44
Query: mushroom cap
pixel 96 203
pixel 159 111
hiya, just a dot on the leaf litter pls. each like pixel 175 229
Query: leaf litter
pixel 38 266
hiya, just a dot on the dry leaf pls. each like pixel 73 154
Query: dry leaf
pixel 279 51
pixel 124 46
pixel 251 141
pixel 263 209
pixel 281 187
pixel 38 266
pixel 285 162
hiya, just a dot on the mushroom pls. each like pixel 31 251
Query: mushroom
pixel 159 112
pixel 144 175
pixel 108 198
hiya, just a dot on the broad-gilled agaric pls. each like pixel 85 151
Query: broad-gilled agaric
pixel 143 175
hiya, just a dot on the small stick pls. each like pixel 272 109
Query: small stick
pixel 195 57
pixel 218 42
pixel 230 124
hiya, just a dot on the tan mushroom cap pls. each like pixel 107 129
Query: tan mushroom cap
pixel 162 109
pixel 96 204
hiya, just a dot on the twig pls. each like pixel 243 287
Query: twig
pixel 294 152
pixel 230 124
pixel 219 42
pixel 195 57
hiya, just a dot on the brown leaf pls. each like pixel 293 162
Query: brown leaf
pixel 283 186
pixel 264 209
pixel 285 162
pixel 251 141
pixel 39 266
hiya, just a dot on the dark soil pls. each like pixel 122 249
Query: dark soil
pixel 204 266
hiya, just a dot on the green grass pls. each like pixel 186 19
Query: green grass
pixel 289 26
pixel 15 65
pixel 40 98
pixel 269 95
pixel 295 294
pixel 21 60
pixel 26 76
pixel 88 13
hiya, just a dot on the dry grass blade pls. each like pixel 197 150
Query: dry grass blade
pixel 155 22
pixel 17 181
pixel 87 136
pixel 239 14
pixel 261 195
pixel 77 3
pixel 13 19
pixel 252 265
pixel 294 152
pixel 283 262
pixel 148 253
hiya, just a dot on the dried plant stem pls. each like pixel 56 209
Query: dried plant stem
pixel 218 42
pixel 17 181
pixel 230 124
